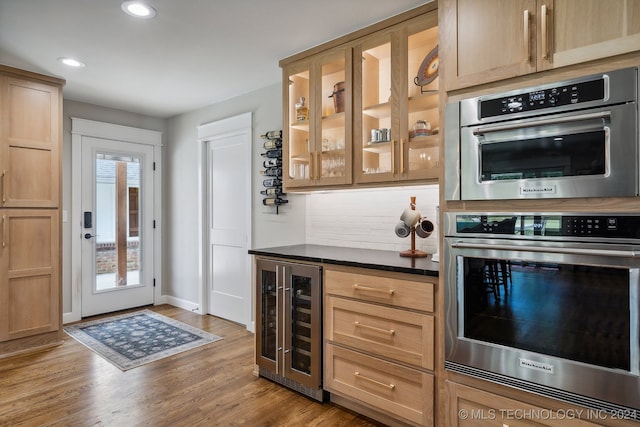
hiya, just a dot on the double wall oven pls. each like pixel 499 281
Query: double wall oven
pixel 546 302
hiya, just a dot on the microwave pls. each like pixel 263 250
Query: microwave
pixel 574 138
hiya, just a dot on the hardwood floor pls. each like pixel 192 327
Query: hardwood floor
pixel 213 385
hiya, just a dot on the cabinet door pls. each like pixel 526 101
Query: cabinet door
pixel 29 273
pixel 298 142
pixel 390 98
pixel 487 40
pixel 29 143
pixel 333 140
pixel 419 147
pixel 302 332
pixel 375 141
pixel 471 407
pixel 268 311
pixel 572 32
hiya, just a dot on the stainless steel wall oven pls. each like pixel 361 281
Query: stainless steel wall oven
pixel 575 138
pixel 546 302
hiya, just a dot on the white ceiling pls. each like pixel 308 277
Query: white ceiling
pixel 194 53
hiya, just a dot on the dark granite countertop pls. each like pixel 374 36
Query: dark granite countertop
pixel 353 257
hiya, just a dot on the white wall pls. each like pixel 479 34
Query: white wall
pixel 366 218
pixel 101 114
pixel 181 273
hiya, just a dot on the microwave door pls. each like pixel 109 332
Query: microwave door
pixel 567 155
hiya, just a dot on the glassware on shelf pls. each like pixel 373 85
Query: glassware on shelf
pixel 421 128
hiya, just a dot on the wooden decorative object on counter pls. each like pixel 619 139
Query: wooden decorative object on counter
pixel 413 252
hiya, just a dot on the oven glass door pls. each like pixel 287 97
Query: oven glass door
pixel 570 311
pixel 556 315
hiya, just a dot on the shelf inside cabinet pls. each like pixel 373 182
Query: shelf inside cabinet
pixel 333 121
pixel 378 147
pixel 419 142
pixel 303 158
pixel 302 125
pixel 426 101
pixel 377 111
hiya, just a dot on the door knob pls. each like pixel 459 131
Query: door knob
pixel 89 235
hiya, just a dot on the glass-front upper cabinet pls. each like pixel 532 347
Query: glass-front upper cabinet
pixel 396 104
pixel 317 137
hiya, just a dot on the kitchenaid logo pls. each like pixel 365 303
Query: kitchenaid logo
pixel 538 366
pixel 538 190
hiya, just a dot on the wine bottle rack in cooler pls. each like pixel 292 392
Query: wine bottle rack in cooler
pixel 272 172
pixel 289 325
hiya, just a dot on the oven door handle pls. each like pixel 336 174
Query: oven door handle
pixel 603 115
pixel 554 250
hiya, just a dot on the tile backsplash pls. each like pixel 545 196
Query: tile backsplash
pixel 366 218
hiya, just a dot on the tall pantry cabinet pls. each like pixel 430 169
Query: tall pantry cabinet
pixel 30 201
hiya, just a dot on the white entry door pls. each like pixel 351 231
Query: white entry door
pixel 229 223
pixel 117 225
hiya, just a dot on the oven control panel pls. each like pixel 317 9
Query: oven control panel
pixel 583 225
pixel 575 93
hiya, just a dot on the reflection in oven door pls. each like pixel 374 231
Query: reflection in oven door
pixel 558 319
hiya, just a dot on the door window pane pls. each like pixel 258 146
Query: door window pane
pixel 117 221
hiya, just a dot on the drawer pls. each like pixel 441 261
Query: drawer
pixel 384 331
pixel 393 389
pixel 416 295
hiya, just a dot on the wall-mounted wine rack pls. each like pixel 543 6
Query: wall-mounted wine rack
pixel 272 171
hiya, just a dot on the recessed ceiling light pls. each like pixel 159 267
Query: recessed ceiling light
pixel 72 62
pixel 138 9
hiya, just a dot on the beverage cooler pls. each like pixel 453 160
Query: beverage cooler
pixel 289 325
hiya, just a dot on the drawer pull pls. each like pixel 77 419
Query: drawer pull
pixel 4 186
pixel 390 332
pixel 357 287
pixel 4 231
pixel 371 380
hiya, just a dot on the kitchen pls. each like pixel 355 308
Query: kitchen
pixel 181 130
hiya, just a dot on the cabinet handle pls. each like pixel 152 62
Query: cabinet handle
pixel 401 155
pixel 357 287
pixel 389 332
pixel 4 186
pixel 543 23
pixel 376 382
pixel 315 167
pixel 393 157
pixel 277 317
pixel 4 231
pixel 527 42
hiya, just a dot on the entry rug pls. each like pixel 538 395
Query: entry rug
pixel 134 339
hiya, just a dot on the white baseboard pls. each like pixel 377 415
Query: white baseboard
pixel 180 303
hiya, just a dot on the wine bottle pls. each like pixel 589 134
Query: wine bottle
pixel 272 134
pixel 274 201
pixel 272 182
pixel 272 153
pixel 270 163
pixel 272 172
pixel 272 143
pixel 273 191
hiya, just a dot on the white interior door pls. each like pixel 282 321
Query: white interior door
pixel 229 171
pixel 117 225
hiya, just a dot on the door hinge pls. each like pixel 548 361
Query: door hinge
pixel 154 282
pixel 154 223
pixel 154 165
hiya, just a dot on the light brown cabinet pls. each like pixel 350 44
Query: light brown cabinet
pixel 30 146
pixel 363 83
pixel 388 102
pixel 379 342
pixel 317 118
pixel 472 407
pixel 492 40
